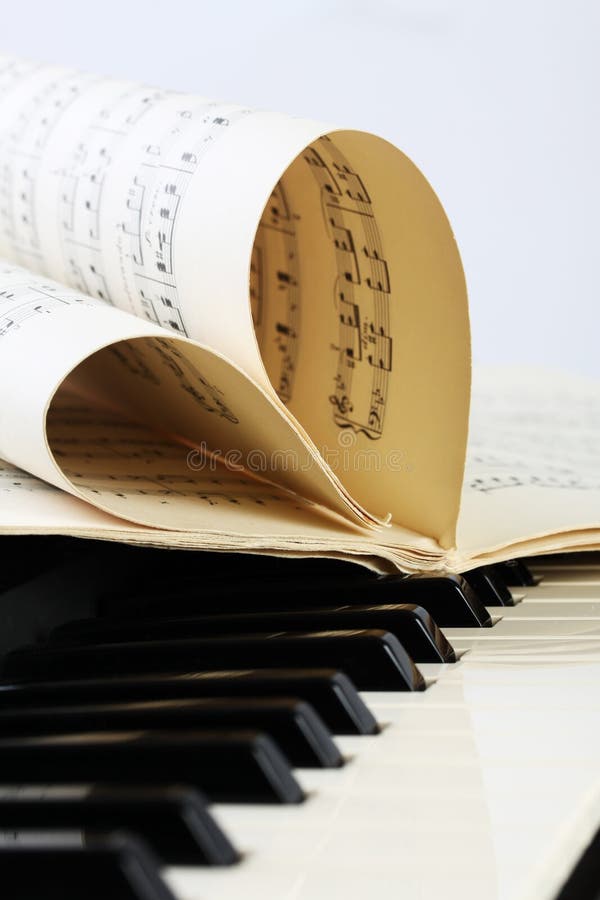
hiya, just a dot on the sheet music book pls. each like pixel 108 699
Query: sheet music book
pixel 232 329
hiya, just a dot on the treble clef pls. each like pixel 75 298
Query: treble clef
pixel 342 403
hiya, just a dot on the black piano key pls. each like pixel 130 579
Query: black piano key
pixel 119 571
pixel 235 766
pixel 26 557
pixel 331 693
pixel 448 599
pixel 41 599
pixel 117 577
pixel 62 865
pixel 294 725
pixel 583 882
pixel 373 658
pixel 489 586
pixel 412 625
pixel 174 821
pixel 153 565
pixel 515 573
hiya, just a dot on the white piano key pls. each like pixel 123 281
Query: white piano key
pixel 433 671
pixel 493 819
pixel 548 592
pixel 527 629
pixel 486 785
pixel 583 567
pixel 533 651
pixel 569 577
pixel 497 683
pixel 569 609
pixel 534 670
pixel 458 719
pixel 499 694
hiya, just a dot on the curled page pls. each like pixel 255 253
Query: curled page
pixel 317 259
pixel 101 404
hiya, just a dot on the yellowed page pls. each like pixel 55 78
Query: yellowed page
pixel 32 506
pixel 532 481
pixel 259 522
pixel 176 388
pixel 382 366
pixel 318 260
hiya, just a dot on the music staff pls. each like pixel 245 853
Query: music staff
pixel 22 301
pixel 83 184
pixel 275 289
pixel 163 172
pixel 28 140
pixel 362 293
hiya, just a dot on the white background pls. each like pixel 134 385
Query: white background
pixel 498 103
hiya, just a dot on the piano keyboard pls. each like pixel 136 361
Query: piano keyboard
pixel 200 727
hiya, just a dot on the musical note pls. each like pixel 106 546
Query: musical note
pixel 16 481
pixel 351 183
pixel 379 277
pixel 102 453
pixel 27 140
pixel 256 287
pixel 350 332
pixel 275 291
pixel 362 293
pixel 323 174
pixel 533 432
pixel 25 299
pixel 78 132
pixel 381 352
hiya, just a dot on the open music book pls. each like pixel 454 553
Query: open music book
pixel 238 330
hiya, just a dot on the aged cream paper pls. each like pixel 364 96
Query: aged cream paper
pixel 317 270
pixel 385 369
pixel 258 522
pixel 118 362
pixel 318 260
pixel 532 480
